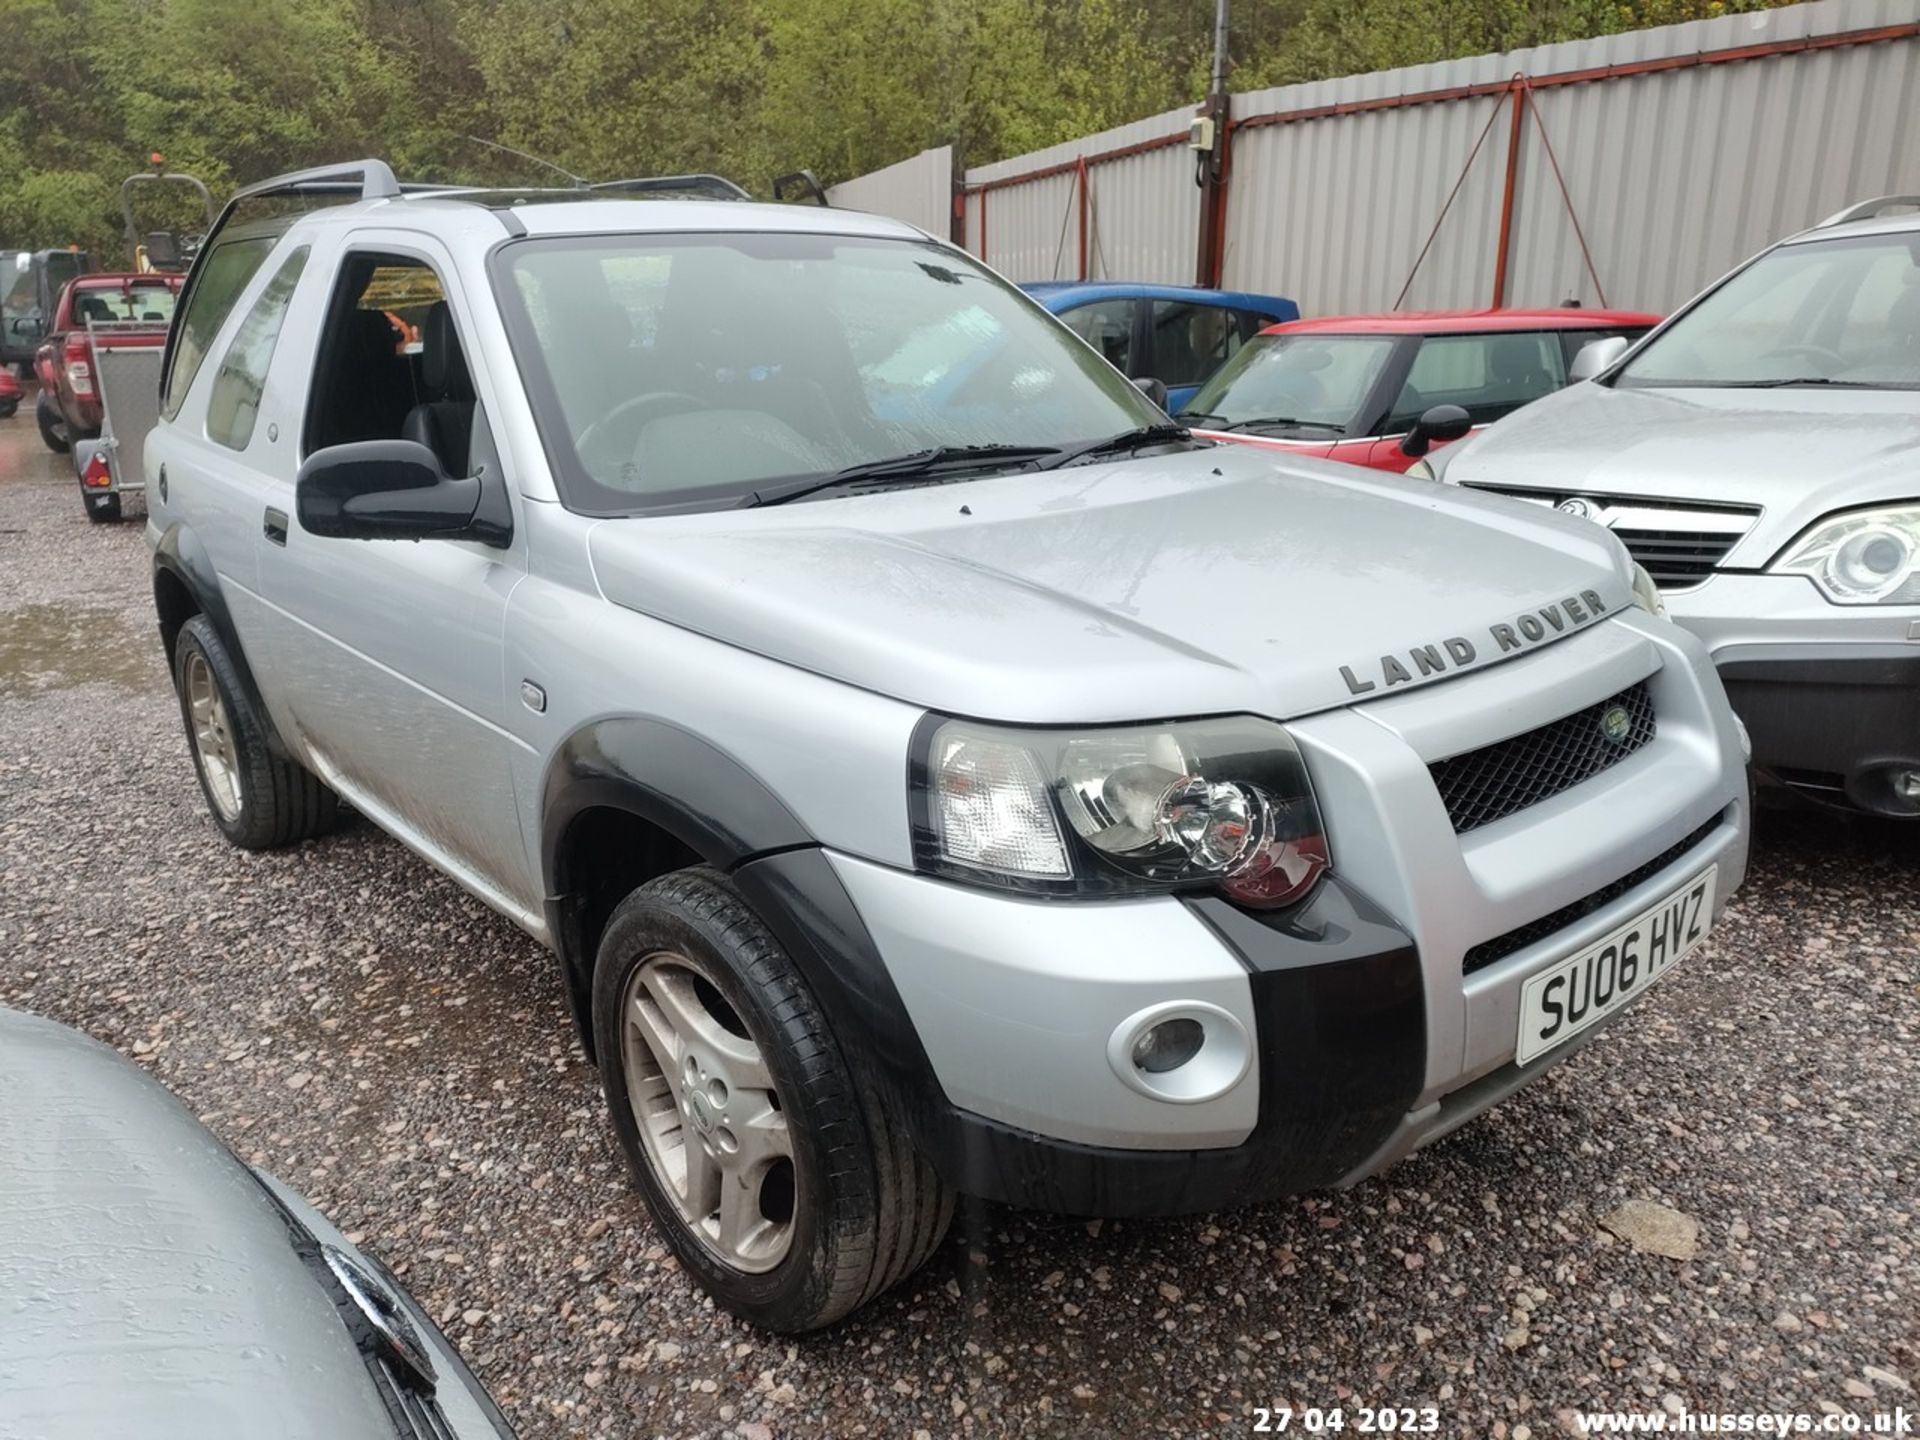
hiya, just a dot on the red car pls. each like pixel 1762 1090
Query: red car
pixel 141 302
pixel 10 394
pixel 1358 387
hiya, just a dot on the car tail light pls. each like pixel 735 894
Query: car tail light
pixel 79 358
pixel 98 475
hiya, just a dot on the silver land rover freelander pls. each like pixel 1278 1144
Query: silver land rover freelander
pixel 936 772
pixel 1757 453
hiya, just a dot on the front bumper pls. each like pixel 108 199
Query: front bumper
pixel 1372 1034
pixel 1830 693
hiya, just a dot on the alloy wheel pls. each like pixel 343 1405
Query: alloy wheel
pixel 213 741
pixel 711 1123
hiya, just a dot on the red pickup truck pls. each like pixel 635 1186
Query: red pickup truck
pixel 138 305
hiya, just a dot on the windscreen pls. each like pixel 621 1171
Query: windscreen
pixel 676 371
pixel 1827 312
pixel 1304 384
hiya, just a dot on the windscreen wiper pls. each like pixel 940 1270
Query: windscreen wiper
pixel 917 464
pixel 1162 434
pixel 1282 421
pixel 1796 381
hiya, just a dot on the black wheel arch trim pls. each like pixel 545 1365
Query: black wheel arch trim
pixel 180 554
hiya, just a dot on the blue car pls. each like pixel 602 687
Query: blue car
pixel 1175 334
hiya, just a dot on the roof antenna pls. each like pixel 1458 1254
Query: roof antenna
pixel 580 181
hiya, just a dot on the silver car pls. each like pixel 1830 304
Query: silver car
pixel 936 772
pixel 152 1285
pixel 1759 454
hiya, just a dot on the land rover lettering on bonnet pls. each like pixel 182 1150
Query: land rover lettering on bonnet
pixel 936 772
pixel 1531 628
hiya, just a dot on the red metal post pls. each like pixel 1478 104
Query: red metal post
pixel 1084 199
pixel 1506 198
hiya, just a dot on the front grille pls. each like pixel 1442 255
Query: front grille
pixel 1487 952
pixel 1680 542
pixel 1497 780
pixel 1676 558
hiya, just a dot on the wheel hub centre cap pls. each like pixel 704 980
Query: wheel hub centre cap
pixel 702 1112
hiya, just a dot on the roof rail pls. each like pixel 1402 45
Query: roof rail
pixel 1867 209
pixel 714 187
pixel 372 178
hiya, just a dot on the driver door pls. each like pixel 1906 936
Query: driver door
pixel 387 656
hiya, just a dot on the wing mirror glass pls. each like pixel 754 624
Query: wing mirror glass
pixel 1595 356
pixel 1437 426
pixel 395 490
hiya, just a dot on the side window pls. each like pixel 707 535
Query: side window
pixel 227 270
pixel 1190 341
pixel 1107 325
pixel 1488 376
pixel 234 403
pixel 390 364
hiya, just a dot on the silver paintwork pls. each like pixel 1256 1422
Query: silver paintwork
pixel 805 642
pixel 147 1286
pixel 1015 1001
pixel 711 1123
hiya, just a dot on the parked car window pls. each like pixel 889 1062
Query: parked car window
pixel 225 274
pixel 769 356
pixel 1488 376
pixel 371 379
pixel 1191 341
pixel 1107 325
pixel 1292 384
pixel 234 402
pixel 1833 312
pixel 118 303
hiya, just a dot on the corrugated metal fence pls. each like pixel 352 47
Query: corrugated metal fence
pixel 1682 150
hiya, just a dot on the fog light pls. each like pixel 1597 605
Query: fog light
pixel 1184 1052
pixel 1168 1045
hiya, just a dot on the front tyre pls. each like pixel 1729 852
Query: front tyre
pixel 782 1184
pixel 259 799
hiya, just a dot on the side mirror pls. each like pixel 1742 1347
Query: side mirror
pixel 395 490
pixel 1154 390
pixel 1440 424
pixel 1595 356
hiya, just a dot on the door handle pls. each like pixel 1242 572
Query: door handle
pixel 276 526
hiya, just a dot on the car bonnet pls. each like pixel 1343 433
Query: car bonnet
pixel 147 1284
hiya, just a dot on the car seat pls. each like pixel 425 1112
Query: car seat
pixel 443 422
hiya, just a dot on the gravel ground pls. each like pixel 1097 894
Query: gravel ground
pixel 345 1017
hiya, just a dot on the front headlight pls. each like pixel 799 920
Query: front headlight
pixel 1139 809
pixel 1646 593
pixel 1871 557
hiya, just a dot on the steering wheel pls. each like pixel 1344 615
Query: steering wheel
pixel 1831 359
pixel 648 407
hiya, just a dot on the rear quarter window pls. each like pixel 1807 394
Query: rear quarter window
pixel 228 268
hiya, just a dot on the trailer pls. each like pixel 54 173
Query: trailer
pixel 126 371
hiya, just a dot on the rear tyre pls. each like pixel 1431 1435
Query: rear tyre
pixel 259 799
pixel 53 429
pixel 8 408
pixel 781 1181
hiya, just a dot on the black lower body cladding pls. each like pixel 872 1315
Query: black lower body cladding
pixel 1339 1002
pixel 1840 730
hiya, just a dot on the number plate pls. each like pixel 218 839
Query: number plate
pixel 1581 990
